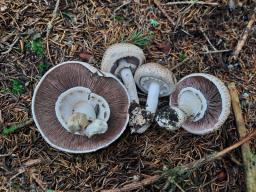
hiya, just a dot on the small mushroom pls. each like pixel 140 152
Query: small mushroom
pixel 98 126
pixel 157 81
pixel 79 109
pixel 200 104
pixel 122 59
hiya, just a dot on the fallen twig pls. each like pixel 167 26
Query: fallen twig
pixel 217 51
pixel 208 40
pixel 124 4
pixel 1 118
pixel 180 63
pixel 26 165
pixel 184 168
pixel 11 46
pixel 158 4
pixel 192 2
pixel 49 27
pixel 242 41
pixel 136 185
pixel 249 162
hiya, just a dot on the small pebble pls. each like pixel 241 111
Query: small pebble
pixel 3 8
pixel 245 95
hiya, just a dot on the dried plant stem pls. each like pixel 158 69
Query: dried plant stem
pixel 49 27
pixel 250 167
pixel 242 41
pixel 193 165
pixel 158 4
pixel 136 185
pixel 208 40
pixel 121 6
pixel 192 2
pixel 217 51
pixel 180 63
pixel 216 155
pixel 11 46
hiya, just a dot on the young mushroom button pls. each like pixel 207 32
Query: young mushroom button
pixel 122 59
pixel 200 104
pixel 157 81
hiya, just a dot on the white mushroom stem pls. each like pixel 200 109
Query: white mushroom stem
pixel 152 99
pixel 191 105
pixel 128 80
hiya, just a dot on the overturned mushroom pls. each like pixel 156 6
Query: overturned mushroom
pixel 157 81
pixel 80 109
pixel 122 59
pixel 77 108
pixel 200 104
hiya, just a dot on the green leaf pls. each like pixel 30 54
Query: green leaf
pixel 42 68
pixel 138 38
pixel 153 22
pixel 182 57
pixel 119 18
pixel 37 47
pixel 17 87
pixel 5 90
pixel 10 130
pixel 68 15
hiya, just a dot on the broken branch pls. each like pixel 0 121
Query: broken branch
pixel 183 168
pixel 242 41
pixel 158 4
pixel 249 162
pixel 49 27
pixel 192 2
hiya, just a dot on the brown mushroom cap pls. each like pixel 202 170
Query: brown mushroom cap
pixel 131 53
pixel 68 75
pixel 217 97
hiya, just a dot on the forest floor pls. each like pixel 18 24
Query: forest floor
pixel 186 42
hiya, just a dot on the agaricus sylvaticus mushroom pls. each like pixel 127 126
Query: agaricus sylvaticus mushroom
pixel 78 108
pixel 122 59
pixel 200 104
pixel 157 81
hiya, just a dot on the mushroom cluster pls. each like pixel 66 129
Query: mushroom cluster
pixel 124 60
pixel 79 109
pixel 200 103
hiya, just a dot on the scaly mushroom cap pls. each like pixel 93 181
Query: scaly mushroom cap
pixel 131 53
pixel 217 97
pixel 150 72
pixel 64 77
